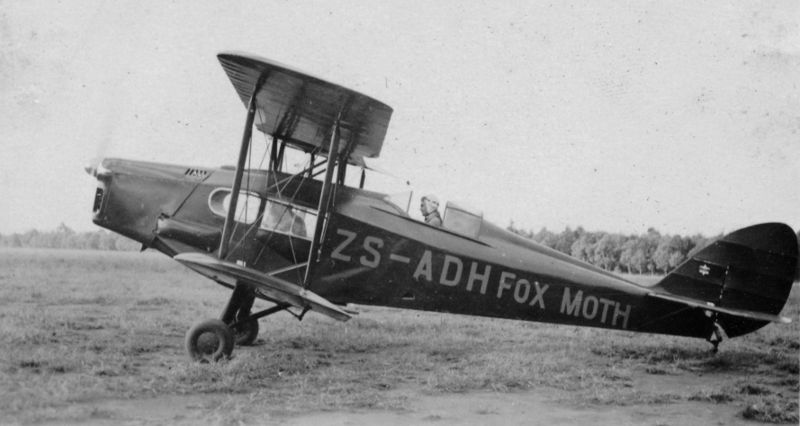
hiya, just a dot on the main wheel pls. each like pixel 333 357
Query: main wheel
pixel 246 333
pixel 210 340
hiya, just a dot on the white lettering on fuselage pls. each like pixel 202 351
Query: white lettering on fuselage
pixel 371 245
pixel 337 252
pixel 474 277
pixel 424 267
pixel 589 306
pixel 452 273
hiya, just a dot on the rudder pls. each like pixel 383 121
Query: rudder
pixel 750 269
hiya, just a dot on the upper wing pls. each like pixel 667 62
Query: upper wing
pixel 276 289
pixel 301 109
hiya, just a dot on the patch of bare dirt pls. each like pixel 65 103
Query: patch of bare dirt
pixel 478 408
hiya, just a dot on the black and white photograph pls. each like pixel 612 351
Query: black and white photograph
pixel 399 212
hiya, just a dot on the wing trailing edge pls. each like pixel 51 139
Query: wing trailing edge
pixel 273 288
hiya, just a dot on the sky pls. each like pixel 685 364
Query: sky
pixel 615 116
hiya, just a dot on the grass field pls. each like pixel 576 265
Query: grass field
pixel 77 327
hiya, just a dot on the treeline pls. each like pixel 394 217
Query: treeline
pixel 65 238
pixel 648 253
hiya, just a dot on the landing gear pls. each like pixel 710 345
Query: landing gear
pixel 210 340
pixel 245 332
pixel 213 340
pixel 716 337
pixel 245 328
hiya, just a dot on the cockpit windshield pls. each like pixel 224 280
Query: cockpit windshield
pixel 401 200
pixel 462 220
pixel 398 191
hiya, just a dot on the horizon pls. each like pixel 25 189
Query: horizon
pixel 95 228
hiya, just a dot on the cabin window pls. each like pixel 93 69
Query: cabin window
pixel 462 220
pixel 291 219
pixel 247 205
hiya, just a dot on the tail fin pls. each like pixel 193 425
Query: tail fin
pixel 751 269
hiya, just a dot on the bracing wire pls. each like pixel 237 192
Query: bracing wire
pixel 280 185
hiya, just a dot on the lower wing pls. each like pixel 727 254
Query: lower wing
pixel 273 288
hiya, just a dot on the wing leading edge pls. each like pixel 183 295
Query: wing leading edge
pixel 301 109
pixel 273 288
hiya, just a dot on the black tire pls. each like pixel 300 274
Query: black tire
pixel 209 340
pixel 246 333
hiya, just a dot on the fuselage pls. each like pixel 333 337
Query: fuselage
pixel 373 252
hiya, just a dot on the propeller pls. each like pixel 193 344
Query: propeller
pixel 93 165
pixel 105 131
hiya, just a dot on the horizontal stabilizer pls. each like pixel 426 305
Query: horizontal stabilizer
pixel 742 313
pixel 273 288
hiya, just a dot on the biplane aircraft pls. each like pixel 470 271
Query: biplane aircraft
pixel 307 241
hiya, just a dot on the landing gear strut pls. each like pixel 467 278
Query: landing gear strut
pixel 245 329
pixel 245 332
